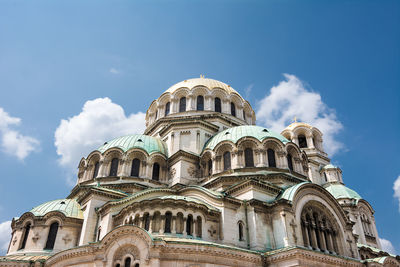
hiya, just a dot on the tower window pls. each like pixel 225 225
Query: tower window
pixel 51 238
pixel 240 226
pixel 248 157
pixel 167 106
pixel 302 141
pixel 135 168
pixel 290 162
pixel 26 233
pixel 146 221
pixel 182 104
pixel 189 224
pixel 200 102
pixel 209 167
pixel 217 104
pixel 127 262
pixel 96 169
pixel 244 115
pixel 168 219
pixel 156 172
pixel 227 160
pixel 114 167
pixel 233 109
pixel 271 158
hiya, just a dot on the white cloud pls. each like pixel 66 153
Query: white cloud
pixel 387 246
pixel 114 71
pixel 396 188
pixel 289 99
pixel 13 142
pixel 100 120
pixel 5 236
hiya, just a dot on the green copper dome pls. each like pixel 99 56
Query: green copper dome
pixel 340 191
pixel 147 143
pixel 69 207
pixel 235 133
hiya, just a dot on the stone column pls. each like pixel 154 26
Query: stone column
pixel 208 103
pixel 162 224
pixel 305 234
pixel 194 228
pixel 150 224
pixel 314 237
pixel 310 141
pixel 173 225
pixel 184 226
pixel 258 153
pixel 322 239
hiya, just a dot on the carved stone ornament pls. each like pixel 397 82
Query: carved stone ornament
pixel 212 232
pixel 14 240
pixel 172 173
pixel 67 239
pixel 36 237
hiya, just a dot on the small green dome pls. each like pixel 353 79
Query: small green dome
pixel 147 143
pixel 235 133
pixel 340 191
pixel 69 207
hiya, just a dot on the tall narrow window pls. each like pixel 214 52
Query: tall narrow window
pixel 217 104
pixel 271 158
pixel 233 109
pixel 200 102
pixel 114 167
pixel 290 162
pixel 135 168
pixel 189 224
pixel 248 157
pixel 244 115
pixel 51 238
pixel 302 141
pixel 146 221
pixel 127 262
pixel 156 171
pixel 326 178
pixel 167 108
pixel 26 233
pixel 118 265
pixel 98 233
pixel 227 160
pixel 182 104
pixel 209 167
pixel 240 225
pixel 168 219
pixel 199 230
pixel 96 169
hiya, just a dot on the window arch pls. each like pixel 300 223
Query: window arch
pixel 156 172
pixel 200 102
pixel 168 220
pixel 96 169
pixel 290 161
pixel 233 109
pixel 248 157
pixel 182 104
pixel 217 104
pixel 271 158
pixel 26 234
pixel 114 167
pixel 135 168
pixel 167 107
pixel 240 229
pixel 302 141
pixel 227 160
pixel 189 225
pixel 51 237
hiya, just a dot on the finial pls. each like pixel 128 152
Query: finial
pixel 202 76
pixel 295 119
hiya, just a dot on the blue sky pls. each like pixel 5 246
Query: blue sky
pixel 56 56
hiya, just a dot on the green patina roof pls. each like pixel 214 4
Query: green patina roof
pixel 69 207
pixel 289 192
pixel 147 143
pixel 340 191
pixel 235 133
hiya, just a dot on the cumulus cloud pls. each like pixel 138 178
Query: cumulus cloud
pixel 100 120
pixel 114 71
pixel 5 236
pixel 387 246
pixel 291 98
pixel 13 142
pixel 396 188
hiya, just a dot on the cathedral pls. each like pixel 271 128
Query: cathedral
pixel 203 186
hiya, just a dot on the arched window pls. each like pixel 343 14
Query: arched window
pixel 98 233
pixel 96 169
pixel 51 237
pixel 118 265
pixel 290 161
pixel 248 157
pixel 168 219
pixel 209 167
pixel 127 262
pixel 189 225
pixel 146 221
pixel 167 106
pixel 135 168
pixel 326 178
pixel 302 141
pixel 200 102
pixel 182 104
pixel 26 233
pixel 137 265
pixel 156 114
pixel 227 160
pixel 244 115
pixel 233 109
pixel 114 167
pixel 240 225
pixel 156 172
pixel 271 158
pixel 199 230
pixel 217 104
